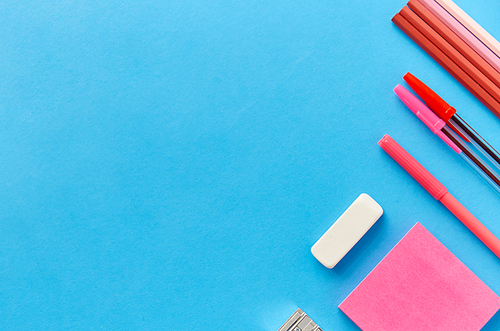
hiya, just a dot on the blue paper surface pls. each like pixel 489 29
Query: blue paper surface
pixel 168 165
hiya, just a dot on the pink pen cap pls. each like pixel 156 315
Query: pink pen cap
pixel 439 192
pixel 415 169
pixel 425 115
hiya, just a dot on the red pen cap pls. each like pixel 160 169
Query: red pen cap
pixel 431 99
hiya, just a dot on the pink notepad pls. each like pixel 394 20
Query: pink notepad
pixel 421 285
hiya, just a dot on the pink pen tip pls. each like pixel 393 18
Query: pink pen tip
pixel 415 169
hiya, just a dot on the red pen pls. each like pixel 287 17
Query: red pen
pixel 448 114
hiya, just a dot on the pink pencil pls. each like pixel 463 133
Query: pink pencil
pixel 439 192
pixel 463 33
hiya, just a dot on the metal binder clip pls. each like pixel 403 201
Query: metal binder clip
pixel 299 321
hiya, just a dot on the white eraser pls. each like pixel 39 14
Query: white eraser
pixel 347 230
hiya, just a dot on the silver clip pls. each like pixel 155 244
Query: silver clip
pixel 299 321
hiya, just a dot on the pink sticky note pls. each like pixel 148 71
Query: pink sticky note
pixel 421 285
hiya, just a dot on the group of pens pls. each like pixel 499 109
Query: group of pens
pixel 472 56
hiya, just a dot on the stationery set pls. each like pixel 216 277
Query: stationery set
pixel 420 284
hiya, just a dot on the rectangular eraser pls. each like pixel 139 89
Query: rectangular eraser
pixel 347 230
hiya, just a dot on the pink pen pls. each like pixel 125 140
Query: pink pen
pixel 439 192
pixel 437 126
pixel 424 114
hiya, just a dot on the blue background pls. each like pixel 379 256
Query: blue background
pixel 168 165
